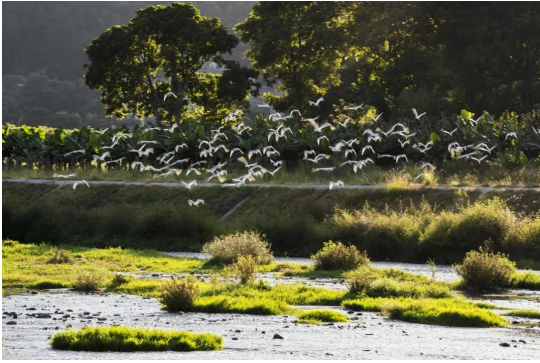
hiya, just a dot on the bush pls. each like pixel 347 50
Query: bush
pixel 89 281
pixel 360 280
pixel 119 279
pixel 484 270
pixel 59 256
pixel 337 256
pixel 246 268
pixel 180 295
pixel 124 339
pixel 226 249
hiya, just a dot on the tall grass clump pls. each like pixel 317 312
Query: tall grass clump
pixel 360 279
pixel 179 295
pixel 485 270
pixel 246 268
pixel 226 249
pixel 59 256
pixel 89 281
pixel 125 339
pixel 337 256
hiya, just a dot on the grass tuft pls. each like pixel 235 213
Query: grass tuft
pixel 124 339
pixel 308 317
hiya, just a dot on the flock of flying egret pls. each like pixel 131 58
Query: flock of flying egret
pixel 356 151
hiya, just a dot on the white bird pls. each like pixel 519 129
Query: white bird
pixel 102 157
pixel 253 152
pixel 355 108
pixel 191 184
pixel 314 170
pixel 245 162
pixel 80 182
pixel 64 176
pixel 375 119
pixel 167 95
pixel 115 161
pixel 420 176
pixel 428 166
pixel 403 143
pixel 510 134
pixel 148 142
pixel 274 172
pixel 344 124
pixel 321 138
pixel 111 146
pixel 450 133
pixel 416 115
pixel 367 148
pixel 102 131
pixel 276 163
pixel 192 169
pixel 317 102
pixel 293 111
pixel 235 150
pixel 179 161
pixel 423 147
pixel 339 183
pixel 196 203
pixel 318 158
pixel 181 146
pixel 479 159
pixel 350 151
pixel 82 151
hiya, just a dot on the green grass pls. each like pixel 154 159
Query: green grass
pixel 524 313
pixel 447 312
pixel 317 316
pixel 241 305
pixel 527 280
pixel 390 288
pixel 125 339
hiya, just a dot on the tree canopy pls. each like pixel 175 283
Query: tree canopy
pixel 172 42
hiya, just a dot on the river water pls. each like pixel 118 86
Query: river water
pixel 369 336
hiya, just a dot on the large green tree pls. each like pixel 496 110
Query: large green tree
pixel 161 50
pixel 297 45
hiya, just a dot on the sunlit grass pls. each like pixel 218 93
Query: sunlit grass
pixel 524 313
pixel 317 316
pixel 125 339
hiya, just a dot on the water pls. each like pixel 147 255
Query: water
pixel 370 336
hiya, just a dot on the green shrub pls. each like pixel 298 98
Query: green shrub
pixel 484 270
pixel 337 256
pixel 59 256
pixel 120 279
pixel 89 281
pixel 360 279
pixel 246 268
pixel 241 305
pixel 452 234
pixel 124 339
pixel 226 249
pixel 390 288
pixel 179 295
pixel 312 316
pixel 527 280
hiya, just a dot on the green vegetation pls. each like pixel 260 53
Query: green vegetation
pixel 59 256
pixel 317 316
pixel 484 270
pixel 89 281
pixel 448 312
pixel 337 256
pixel 179 295
pixel 524 313
pixel 125 339
pixel 527 280
pixel 227 249
pixel 360 279
pixel 245 268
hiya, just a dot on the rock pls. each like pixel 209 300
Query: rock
pixel 235 338
pixel 11 322
pixel 42 315
pixel 238 331
pixel 312 278
pixel 66 316
pixel 504 345
pixel 329 354
pixel 156 275
pixel 350 312
pixel 522 341
pixel 69 310
pixel 102 319
pixel 263 332
pixel 86 313
pixel 34 292
pixel 31 309
pixel 116 315
pixel 277 336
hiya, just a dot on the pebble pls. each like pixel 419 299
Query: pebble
pixel 11 322
pixel 277 336
pixel 504 345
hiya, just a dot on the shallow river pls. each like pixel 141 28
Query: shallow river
pixel 369 336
